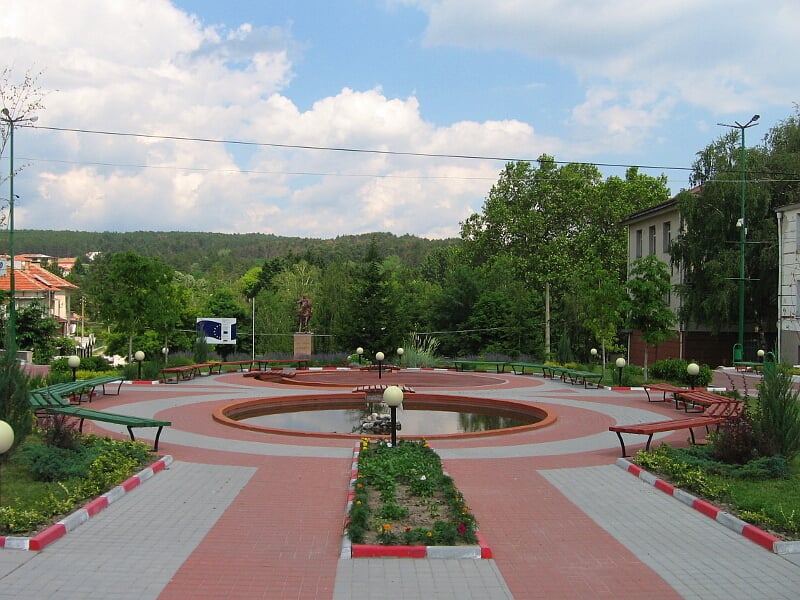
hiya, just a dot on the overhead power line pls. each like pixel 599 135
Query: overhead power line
pixel 350 150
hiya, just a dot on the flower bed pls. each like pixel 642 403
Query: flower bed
pixel 403 501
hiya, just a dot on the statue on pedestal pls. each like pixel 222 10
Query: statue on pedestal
pixel 304 312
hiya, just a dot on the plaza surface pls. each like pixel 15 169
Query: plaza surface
pixel 242 514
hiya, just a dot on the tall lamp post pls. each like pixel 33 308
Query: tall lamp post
pixel 738 353
pixel 620 365
pixel 692 369
pixel 138 356
pixel 359 351
pixel 74 362
pixel 379 356
pixel 400 352
pixel 393 397
pixel 6 117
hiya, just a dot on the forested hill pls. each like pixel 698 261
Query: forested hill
pixel 199 253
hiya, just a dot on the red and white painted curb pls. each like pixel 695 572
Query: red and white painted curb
pixel 751 532
pixel 80 516
pixel 350 550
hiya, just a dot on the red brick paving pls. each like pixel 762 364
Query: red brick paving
pixel 281 537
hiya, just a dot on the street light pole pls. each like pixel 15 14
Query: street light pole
pixel 5 116
pixel 739 351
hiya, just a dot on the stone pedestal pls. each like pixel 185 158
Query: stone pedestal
pixel 303 344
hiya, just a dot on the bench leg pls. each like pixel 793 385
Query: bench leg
pixel 158 435
pixel 691 435
pixel 621 443
pixel 649 439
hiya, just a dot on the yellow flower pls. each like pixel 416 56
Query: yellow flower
pixel 358 501
pixel 429 534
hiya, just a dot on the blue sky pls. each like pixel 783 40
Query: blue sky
pixel 618 82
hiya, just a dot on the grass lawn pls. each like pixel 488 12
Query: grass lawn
pixel 765 493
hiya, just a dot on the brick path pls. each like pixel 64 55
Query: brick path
pixel 245 515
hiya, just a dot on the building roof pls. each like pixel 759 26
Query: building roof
pixel 30 277
pixel 666 206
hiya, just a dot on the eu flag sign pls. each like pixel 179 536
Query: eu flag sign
pixel 217 330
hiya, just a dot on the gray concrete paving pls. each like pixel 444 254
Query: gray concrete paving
pixel 699 558
pixel 132 549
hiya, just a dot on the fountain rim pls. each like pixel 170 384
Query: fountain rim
pixel 318 401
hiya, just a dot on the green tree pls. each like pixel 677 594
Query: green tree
pixel 709 250
pixel 555 221
pixel 37 330
pixel 372 318
pixel 132 293
pixel 648 311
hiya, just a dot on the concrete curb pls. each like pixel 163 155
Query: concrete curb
pixel 751 532
pixel 350 550
pixel 80 516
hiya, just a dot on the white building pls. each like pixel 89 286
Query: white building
pixel 788 344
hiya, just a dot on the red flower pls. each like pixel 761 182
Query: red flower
pixel 462 529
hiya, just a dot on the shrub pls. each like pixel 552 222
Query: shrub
pixel 776 418
pixel 14 406
pixel 52 463
pixel 106 471
pixel 674 369
pixel 736 442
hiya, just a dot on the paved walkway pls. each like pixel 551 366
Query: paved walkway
pixel 246 515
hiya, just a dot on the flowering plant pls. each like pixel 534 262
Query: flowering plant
pixel 402 496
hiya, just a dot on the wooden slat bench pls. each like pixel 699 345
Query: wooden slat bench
pixel 699 399
pixel 584 377
pixel 50 401
pixel 461 365
pixel 649 429
pixel 298 363
pixel 178 374
pixel 524 365
pixel 664 388
pixel 242 365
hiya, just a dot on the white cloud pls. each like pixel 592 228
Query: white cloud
pixel 162 72
pixel 150 68
pixel 719 55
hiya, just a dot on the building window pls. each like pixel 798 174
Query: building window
pixel 638 243
pixel 666 236
pixel 651 240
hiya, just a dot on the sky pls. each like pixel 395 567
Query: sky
pixel 325 118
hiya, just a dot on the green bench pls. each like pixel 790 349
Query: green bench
pixel 461 365
pixel 584 377
pixel 50 400
pixel 84 389
pixel 524 365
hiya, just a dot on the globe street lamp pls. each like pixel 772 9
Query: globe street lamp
pixel 738 352
pixel 74 362
pixel 5 116
pixel 139 357
pixel 620 365
pixel 359 351
pixel 393 397
pixel 379 356
pixel 7 437
pixel 400 352
pixel 692 369
pixel 165 352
